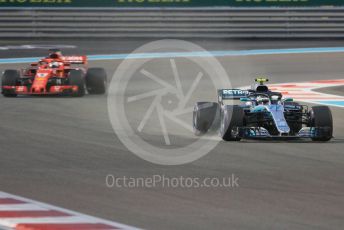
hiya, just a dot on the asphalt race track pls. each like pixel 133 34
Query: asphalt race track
pixel 60 150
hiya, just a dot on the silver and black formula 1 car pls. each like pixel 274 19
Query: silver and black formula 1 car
pixel 262 114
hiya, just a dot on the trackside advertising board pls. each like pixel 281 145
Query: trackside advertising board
pixel 168 3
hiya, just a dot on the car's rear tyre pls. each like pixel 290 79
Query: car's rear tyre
pixel 321 117
pixel 9 78
pixel 204 115
pixel 232 117
pixel 76 78
pixel 96 81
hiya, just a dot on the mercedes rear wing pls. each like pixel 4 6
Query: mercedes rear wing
pixel 232 94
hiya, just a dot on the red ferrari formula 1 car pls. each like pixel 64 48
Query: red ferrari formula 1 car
pixel 55 75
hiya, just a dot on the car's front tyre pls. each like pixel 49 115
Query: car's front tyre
pixel 321 118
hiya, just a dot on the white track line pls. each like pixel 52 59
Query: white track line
pixel 22 207
pixel 72 217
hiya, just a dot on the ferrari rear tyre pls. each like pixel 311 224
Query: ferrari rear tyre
pixel 76 78
pixel 96 81
pixel 204 115
pixel 321 117
pixel 232 118
pixel 10 78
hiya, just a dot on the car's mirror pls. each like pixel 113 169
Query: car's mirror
pixel 274 98
pixel 288 100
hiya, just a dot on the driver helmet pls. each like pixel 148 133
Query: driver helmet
pixel 54 64
pixel 260 86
